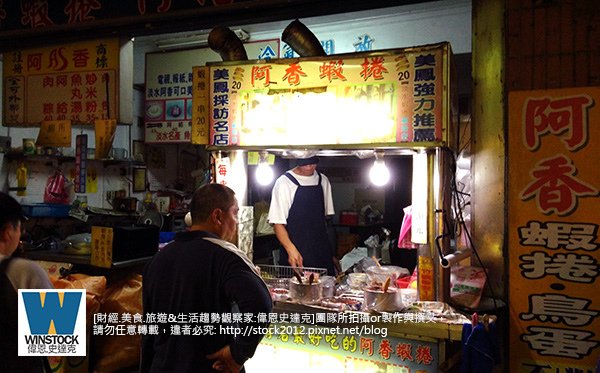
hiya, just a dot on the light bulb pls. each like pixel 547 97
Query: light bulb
pixel 379 174
pixel 264 173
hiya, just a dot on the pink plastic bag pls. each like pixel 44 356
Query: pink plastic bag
pixel 404 239
pixel 56 191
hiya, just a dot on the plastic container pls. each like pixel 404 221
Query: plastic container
pixel 357 280
pixel 46 210
pixel 78 244
pixel 379 275
pixel 165 237
pixel 328 285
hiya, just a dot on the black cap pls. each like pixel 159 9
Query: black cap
pixel 307 161
pixel 10 211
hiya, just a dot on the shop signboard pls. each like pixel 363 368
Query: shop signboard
pixel 76 82
pixel 352 348
pixel 173 101
pixel 384 97
pixel 553 252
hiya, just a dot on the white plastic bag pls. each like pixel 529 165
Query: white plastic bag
pixel 263 226
pixel 466 285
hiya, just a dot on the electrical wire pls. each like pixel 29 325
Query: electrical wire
pixel 461 221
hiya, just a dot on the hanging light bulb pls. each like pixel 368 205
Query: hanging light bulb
pixel 264 172
pixel 379 173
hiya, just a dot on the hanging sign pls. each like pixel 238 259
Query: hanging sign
pixel 554 199
pixel 55 133
pixel 223 170
pixel 382 97
pixel 104 134
pixel 200 105
pixel 77 82
pixel 80 163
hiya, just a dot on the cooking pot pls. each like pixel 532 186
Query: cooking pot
pixel 305 292
pixel 378 300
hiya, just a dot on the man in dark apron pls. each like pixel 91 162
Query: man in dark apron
pixel 298 213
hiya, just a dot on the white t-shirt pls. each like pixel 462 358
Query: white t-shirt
pixel 284 191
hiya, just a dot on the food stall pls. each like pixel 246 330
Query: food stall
pixel 370 105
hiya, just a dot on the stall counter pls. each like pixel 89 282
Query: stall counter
pixel 321 339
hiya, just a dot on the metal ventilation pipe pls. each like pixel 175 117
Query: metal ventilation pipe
pixel 225 42
pixel 302 40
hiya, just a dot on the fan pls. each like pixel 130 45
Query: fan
pixel 151 217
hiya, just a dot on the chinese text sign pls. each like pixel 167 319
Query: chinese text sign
pixel 388 97
pixel 77 82
pixel 554 183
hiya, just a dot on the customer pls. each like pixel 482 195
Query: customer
pixel 201 273
pixel 15 274
pixel 300 202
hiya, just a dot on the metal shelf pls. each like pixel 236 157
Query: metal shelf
pixel 16 156
pixel 52 256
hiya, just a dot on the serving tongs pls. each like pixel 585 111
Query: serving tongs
pixel 298 276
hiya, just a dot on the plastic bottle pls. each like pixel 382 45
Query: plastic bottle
pixel 22 180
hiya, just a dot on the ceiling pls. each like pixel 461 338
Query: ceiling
pixel 253 15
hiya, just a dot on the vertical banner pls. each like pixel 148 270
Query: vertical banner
pixel 553 219
pixel 222 170
pixel 104 131
pixel 80 163
pixel 200 105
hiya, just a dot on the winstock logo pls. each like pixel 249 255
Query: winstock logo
pixel 52 322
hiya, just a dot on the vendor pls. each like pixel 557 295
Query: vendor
pixel 301 201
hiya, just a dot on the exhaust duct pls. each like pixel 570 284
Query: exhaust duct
pixel 302 40
pixel 225 42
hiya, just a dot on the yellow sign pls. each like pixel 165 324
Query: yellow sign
pixel 102 244
pixel 254 158
pixel 553 245
pixel 200 108
pixel 386 97
pixel 55 133
pixel 104 135
pixel 77 82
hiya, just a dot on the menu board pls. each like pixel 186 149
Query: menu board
pixel 553 249
pixel 171 92
pixel 396 96
pixel 76 82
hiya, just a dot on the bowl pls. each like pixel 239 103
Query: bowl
pixel 378 275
